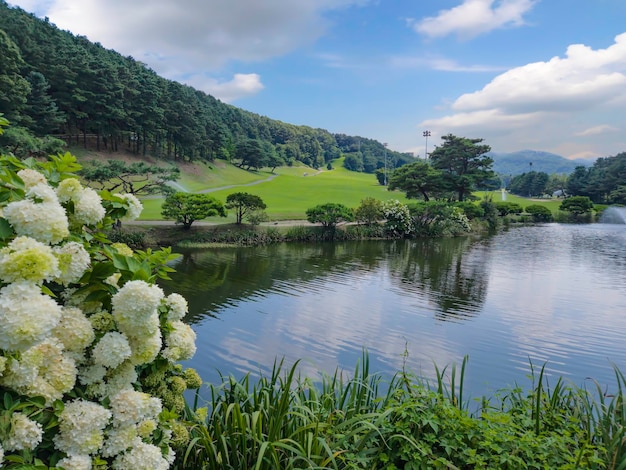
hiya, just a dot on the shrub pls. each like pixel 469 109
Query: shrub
pixel 83 327
pixel 471 210
pixel 539 213
pixel 506 208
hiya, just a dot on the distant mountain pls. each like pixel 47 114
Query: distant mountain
pixel 516 163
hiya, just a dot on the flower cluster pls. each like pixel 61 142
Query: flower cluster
pixel 398 217
pixel 79 318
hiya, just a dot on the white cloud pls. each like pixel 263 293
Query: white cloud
pixel 440 63
pixel 474 17
pixel 597 130
pixel 240 86
pixel 178 39
pixel 559 96
pixel 206 33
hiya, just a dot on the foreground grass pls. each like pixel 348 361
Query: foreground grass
pixel 284 421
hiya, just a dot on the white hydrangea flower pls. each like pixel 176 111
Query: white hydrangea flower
pixel 135 308
pixel 42 193
pixel 45 222
pixel 91 374
pixel 88 207
pixel 180 342
pixel 177 306
pixel 26 316
pixel 25 433
pixel 26 259
pixel 118 439
pixel 136 298
pixel 74 329
pixel 81 427
pixel 120 379
pixel 130 407
pixel 145 349
pixel 43 370
pixel 134 206
pixel 3 364
pixel 141 456
pixel 75 462
pixel 31 177
pixel 1 454
pixel 111 350
pixel 69 189
pixel 73 262
pixel 146 428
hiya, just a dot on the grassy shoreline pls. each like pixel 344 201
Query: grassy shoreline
pixel 287 421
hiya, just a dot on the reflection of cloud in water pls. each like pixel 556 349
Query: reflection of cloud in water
pixel 528 297
pixel 548 303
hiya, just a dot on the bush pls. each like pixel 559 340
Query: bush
pixel 539 213
pixel 83 327
pixel 506 208
pixel 471 210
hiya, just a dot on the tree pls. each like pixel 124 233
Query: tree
pixel 577 205
pixel 418 180
pixel 369 211
pixel 244 204
pixel 13 87
pixel 42 114
pixel 274 160
pixel 186 208
pixel 329 214
pixel 539 213
pixel 132 178
pixel 250 154
pixel 463 162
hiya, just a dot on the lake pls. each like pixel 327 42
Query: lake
pixel 553 294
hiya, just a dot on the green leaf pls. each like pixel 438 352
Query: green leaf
pixel 6 231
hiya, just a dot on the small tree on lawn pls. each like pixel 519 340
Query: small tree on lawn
pixel 577 205
pixel 244 204
pixel 329 214
pixel 186 208
pixel 369 211
pixel 539 213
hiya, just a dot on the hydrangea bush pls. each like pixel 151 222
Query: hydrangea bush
pixel 89 344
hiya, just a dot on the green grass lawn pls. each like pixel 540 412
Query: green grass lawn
pixel 295 189
pixel 291 193
pixel 496 196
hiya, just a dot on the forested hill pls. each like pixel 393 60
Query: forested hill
pixel 516 163
pixel 55 83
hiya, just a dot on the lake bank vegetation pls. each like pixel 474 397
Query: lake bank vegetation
pixel 360 421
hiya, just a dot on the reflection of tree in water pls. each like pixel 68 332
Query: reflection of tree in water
pixel 452 273
pixel 211 278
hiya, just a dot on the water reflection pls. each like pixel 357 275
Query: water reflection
pixel 552 293
pixel 452 273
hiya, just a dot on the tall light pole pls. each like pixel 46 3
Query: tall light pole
pixel 427 135
pixel 385 145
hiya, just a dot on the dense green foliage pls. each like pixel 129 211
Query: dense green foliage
pixel 539 213
pixel 286 421
pixel 464 164
pixel 531 184
pixel 52 82
pixel 186 208
pixel 454 170
pixel 603 183
pixel 329 214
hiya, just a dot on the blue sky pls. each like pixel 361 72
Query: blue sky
pixel 521 74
